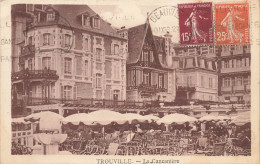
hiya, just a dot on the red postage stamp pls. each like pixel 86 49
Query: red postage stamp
pixel 196 23
pixel 232 24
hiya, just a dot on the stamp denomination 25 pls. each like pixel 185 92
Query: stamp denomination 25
pixel 232 25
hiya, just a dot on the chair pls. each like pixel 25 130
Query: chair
pixel 218 149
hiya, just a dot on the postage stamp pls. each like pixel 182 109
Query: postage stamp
pixel 196 23
pixel 232 24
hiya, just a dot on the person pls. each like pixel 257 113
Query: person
pixel 193 20
pixel 229 22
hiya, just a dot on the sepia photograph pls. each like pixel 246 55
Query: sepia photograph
pixel 127 79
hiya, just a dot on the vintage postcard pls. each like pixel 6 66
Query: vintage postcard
pixel 129 82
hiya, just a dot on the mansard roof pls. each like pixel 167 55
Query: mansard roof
pixel 70 15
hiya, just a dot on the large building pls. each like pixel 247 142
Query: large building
pixel 149 77
pixel 68 56
pixel 234 73
pixel 196 72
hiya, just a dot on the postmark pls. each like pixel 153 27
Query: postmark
pixel 232 24
pixel 166 19
pixel 196 27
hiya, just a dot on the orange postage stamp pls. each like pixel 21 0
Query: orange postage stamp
pixel 232 24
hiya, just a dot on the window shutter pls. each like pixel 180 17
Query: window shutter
pixel 62 65
pixel 165 81
pixel 39 63
pixel 52 37
pixel 40 40
pixel 61 92
pixel 75 92
pixel 112 49
pixel 62 40
pixel 104 81
pixel 52 63
pixel 94 81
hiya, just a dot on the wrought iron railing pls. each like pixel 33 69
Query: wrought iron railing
pixel 34 74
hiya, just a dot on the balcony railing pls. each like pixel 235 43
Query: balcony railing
pixel 148 88
pixel 35 74
pixel 27 50
pixel 239 69
pixel 185 87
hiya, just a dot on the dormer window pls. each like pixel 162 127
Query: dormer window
pixel 96 22
pixel 85 20
pixel 50 16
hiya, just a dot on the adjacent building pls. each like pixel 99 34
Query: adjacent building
pixel 149 77
pixel 68 56
pixel 234 73
pixel 196 74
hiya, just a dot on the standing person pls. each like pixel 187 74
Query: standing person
pixel 194 19
pixel 229 22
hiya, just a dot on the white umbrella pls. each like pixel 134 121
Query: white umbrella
pixel 47 120
pixel 103 117
pixel 209 118
pixel 75 119
pixel 134 116
pixel 223 118
pixel 242 118
pixel 176 118
pixel 19 121
pixel 152 117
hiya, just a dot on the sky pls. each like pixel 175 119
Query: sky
pixel 130 14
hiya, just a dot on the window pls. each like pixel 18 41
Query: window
pixel 145 56
pixel 85 20
pixel 50 16
pixel 68 92
pixel 160 81
pixel 99 53
pixel 192 51
pixel 67 40
pixel 204 50
pixel 30 65
pixel 117 70
pixel 86 68
pixel 202 81
pixel 226 64
pixel 116 49
pixel 189 80
pixel 30 42
pixel 46 62
pixel 151 57
pixel 239 63
pixel 46 39
pixel 246 80
pixel 211 50
pixel 210 83
pixel 68 66
pixel 29 8
pixel 210 98
pixel 86 44
pixel 226 48
pixel 96 22
pixel 227 82
pixel 98 80
pixel 146 78
pixel 239 81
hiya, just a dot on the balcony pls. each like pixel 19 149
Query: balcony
pixel 147 88
pixel 147 64
pixel 28 50
pixel 34 74
pixel 239 69
pixel 226 89
pixel 185 87
pixel 240 88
